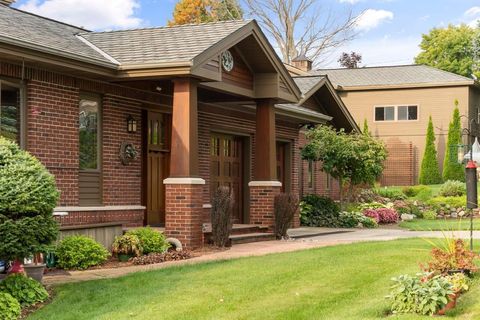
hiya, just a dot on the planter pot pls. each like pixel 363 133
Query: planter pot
pixel 124 257
pixel 17 267
pixel 35 271
pixel 450 305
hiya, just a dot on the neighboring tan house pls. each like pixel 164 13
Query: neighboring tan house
pixel 203 105
pixel 397 101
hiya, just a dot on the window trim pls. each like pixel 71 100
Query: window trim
pixel 99 99
pixel 23 113
pixel 310 174
pixel 395 112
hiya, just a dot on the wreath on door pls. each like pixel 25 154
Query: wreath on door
pixel 128 153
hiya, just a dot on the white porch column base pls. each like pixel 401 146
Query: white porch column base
pixel 183 181
pixel 264 184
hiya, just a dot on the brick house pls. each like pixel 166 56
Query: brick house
pixel 140 126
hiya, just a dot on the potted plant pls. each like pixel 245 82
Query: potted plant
pixel 35 269
pixel 126 247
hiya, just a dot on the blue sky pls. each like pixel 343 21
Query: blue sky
pixel 388 32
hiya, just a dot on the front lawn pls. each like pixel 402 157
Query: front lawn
pixel 340 282
pixel 440 224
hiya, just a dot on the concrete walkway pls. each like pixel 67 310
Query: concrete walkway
pixel 306 238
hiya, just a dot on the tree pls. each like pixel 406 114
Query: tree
pixel 365 128
pixel 199 11
pixel 350 60
pixel 453 49
pixel 452 170
pixel 27 198
pixel 353 158
pixel 299 28
pixel 429 171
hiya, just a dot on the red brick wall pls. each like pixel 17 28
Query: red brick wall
pixel 400 166
pixel 262 205
pixel 130 218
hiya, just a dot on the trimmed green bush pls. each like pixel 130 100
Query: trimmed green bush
pixel 26 290
pixel 27 198
pixel 452 188
pixel 430 172
pixel 453 202
pixel 412 191
pixel 150 240
pixel 452 170
pixel 9 307
pixel 355 219
pixel 318 211
pixel 392 194
pixel 80 252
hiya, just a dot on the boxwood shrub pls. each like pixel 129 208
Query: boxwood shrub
pixel 452 188
pixel 26 290
pixel 9 307
pixel 151 240
pixel 80 252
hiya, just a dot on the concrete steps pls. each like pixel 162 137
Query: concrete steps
pixel 243 233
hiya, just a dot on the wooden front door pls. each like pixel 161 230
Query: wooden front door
pixel 158 156
pixel 226 169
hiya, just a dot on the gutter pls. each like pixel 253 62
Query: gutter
pixel 302 114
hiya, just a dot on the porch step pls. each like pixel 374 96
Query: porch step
pixel 251 237
pixel 239 229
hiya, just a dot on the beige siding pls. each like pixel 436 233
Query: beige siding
pixel 435 102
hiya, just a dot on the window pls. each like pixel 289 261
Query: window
pixel 384 113
pixel 396 113
pixel 310 173
pixel 407 113
pixel 89 133
pixel 328 181
pixel 11 112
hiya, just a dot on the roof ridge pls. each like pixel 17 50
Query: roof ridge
pixel 48 19
pixel 373 67
pixel 172 27
pixel 445 71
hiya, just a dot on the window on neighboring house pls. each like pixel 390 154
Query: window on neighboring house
pixel 310 173
pixel 384 113
pixel 407 113
pixel 11 111
pixel 89 150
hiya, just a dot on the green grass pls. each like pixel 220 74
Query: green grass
pixel 340 282
pixel 440 224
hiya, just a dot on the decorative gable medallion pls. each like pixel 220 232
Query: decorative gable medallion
pixel 227 61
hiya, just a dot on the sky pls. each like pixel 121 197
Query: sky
pixel 388 31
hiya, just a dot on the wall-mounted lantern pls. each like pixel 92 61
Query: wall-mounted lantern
pixel 131 124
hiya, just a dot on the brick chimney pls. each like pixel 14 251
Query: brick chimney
pixel 7 2
pixel 302 62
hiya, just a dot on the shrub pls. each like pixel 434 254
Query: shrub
pixel 430 215
pixel 80 252
pixel 392 194
pixel 150 240
pixel 128 244
pixel 26 290
pixel 412 191
pixel 356 219
pixel 27 198
pixel 221 216
pixel 429 171
pixel 371 205
pixel 373 214
pixel 452 188
pixel 452 170
pixel 459 281
pixel 285 206
pixel 382 215
pixel 9 307
pixel 318 211
pixel 420 294
pixel 453 202
pixel 452 256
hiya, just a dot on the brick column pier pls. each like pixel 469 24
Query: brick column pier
pixel 183 204
pixel 262 195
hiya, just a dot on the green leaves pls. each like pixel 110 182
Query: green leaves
pixel 452 170
pixel 430 172
pixel 150 240
pixel 26 290
pixel 9 307
pixel 80 252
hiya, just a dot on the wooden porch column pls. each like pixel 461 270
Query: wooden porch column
pixel 265 185
pixel 184 188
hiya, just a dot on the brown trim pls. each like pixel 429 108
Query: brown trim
pixel 23 106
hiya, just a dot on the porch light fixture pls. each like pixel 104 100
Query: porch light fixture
pixel 131 124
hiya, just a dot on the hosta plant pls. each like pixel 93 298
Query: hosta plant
pixel 423 294
pixel 26 290
pixel 151 240
pixel 9 307
pixel 127 244
pixel 460 282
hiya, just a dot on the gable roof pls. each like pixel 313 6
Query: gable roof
pixel 38 33
pixel 392 76
pixel 164 44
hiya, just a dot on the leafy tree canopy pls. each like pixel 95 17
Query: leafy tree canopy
pixel 452 49
pixel 200 11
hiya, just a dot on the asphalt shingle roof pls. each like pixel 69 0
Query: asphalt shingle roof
pixel 31 29
pixel 164 44
pixel 306 83
pixel 385 76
